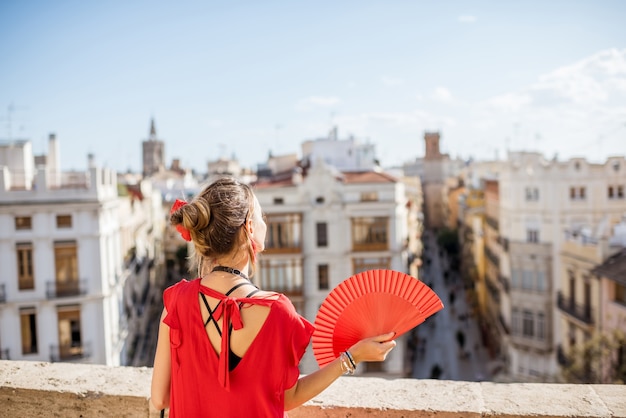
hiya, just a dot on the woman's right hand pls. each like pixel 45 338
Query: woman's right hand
pixel 373 348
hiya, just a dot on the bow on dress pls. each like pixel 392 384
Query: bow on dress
pixel 228 310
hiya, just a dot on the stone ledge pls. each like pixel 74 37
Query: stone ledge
pixel 34 389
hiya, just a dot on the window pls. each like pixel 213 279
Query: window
pixel 374 263
pixel 279 201
pixel 528 324
pixel 615 192
pixel 515 321
pixel 25 277
pixel 577 193
pixel 322 277
pixel 541 281
pixel 369 196
pixel 527 280
pixel 23 222
pixel 541 326
pixel 532 235
pixel 370 233
pixel 283 232
pixel 587 298
pixel 515 279
pixel 70 341
pixel 322 234
pixel 571 335
pixel 28 327
pixel 532 194
pixel 620 294
pixel 64 221
pixel 66 265
pixel 280 275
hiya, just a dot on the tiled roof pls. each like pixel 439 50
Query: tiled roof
pixel 266 183
pixel 368 177
pixel 613 268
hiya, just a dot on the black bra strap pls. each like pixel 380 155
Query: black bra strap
pixel 211 311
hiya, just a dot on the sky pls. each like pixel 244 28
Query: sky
pixel 245 78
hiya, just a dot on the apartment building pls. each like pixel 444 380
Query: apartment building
pixel 324 226
pixel 348 154
pixel 65 252
pixel 592 306
pixel 539 201
pixel 612 325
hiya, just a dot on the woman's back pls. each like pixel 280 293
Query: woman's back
pixel 270 350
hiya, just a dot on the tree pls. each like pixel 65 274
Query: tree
pixel 601 359
pixel 181 257
pixel 448 240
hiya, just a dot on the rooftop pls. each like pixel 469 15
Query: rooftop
pixel 31 389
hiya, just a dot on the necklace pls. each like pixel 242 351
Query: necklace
pixel 230 270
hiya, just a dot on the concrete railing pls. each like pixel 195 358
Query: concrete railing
pixel 33 389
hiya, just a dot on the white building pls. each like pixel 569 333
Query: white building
pixel 344 154
pixel 62 245
pixel 539 201
pixel 324 226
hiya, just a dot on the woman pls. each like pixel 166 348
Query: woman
pixel 226 348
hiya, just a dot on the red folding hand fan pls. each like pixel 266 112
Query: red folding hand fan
pixel 367 304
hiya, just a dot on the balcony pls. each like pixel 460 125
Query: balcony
pixel 503 325
pixel 66 289
pixel 70 352
pixel 562 358
pixel 493 258
pixel 580 312
pixel 505 283
pixel 493 223
pixel 60 389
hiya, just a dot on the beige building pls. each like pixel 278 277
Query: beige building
pixel 325 226
pixel 539 201
pixel 153 153
pixel 612 317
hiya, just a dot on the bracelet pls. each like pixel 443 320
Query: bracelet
pixel 351 359
pixel 346 364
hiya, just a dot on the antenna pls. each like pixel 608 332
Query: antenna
pixel 11 108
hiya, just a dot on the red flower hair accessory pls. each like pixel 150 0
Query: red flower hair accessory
pixel 184 232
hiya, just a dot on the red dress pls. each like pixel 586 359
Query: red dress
pixel 202 386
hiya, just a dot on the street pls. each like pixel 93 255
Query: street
pixel 448 344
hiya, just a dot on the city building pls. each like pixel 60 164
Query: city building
pixel 325 225
pixel 539 201
pixel 153 153
pixel 434 170
pixel 343 154
pixel 592 306
pixel 65 251
pixel 59 242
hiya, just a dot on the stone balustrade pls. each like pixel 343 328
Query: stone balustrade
pixel 35 389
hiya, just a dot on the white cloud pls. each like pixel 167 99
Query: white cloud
pixel 563 112
pixel 467 19
pixel 442 94
pixel 509 102
pixel 410 121
pixel 391 81
pixel 316 102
